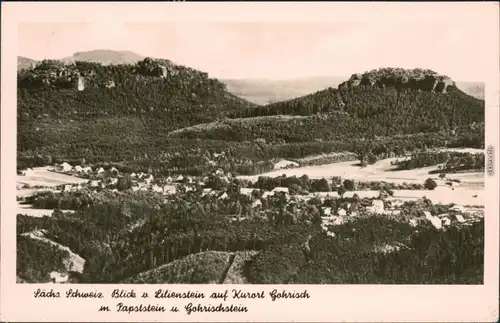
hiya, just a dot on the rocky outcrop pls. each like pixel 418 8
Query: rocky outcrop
pixel 417 79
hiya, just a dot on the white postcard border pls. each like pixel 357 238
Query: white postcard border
pixel 370 303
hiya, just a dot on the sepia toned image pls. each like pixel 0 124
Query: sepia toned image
pixel 146 156
pixel 267 162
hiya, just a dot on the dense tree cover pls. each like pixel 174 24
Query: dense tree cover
pixel 173 97
pixel 128 144
pixel 152 235
pixel 276 264
pixel 36 259
pixel 426 256
pixel 200 268
pixel 381 111
pixel 452 161
pixel 159 115
pixel 165 119
pixel 128 233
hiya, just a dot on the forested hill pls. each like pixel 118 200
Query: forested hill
pixel 385 102
pixel 159 116
pixel 391 97
pixel 152 89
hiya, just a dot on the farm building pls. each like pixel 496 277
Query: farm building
pixel 27 172
pixel 58 278
pixel 64 167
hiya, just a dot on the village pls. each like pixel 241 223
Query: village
pixel 334 208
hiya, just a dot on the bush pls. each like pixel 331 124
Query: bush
pixel 349 185
pixel 430 184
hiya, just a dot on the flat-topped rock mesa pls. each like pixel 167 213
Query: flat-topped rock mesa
pixel 80 75
pixel 399 78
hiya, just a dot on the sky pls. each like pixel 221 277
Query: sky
pixel 274 50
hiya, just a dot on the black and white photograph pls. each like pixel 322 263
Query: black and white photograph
pixel 250 153
pixel 237 161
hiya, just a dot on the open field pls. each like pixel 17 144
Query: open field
pixel 44 176
pixel 470 190
pixel 47 179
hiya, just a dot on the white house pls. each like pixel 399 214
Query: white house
pixel 65 167
pixel 169 189
pixel 377 207
pixel 267 194
pixel 27 172
pixel 100 170
pixel 281 190
pixel 338 220
pixel 179 178
pixel 113 181
pixel 326 195
pixel 342 212
pixel 460 218
pixel 87 169
pixel 148 179
pixel 78 168
pixel 435 221
pixel 94 183
pixel 256 203
pixel 58 278
pixel 133 175
pixel 157 188
pixel 457 208
pixel 206 191
pixel 224 196
pixel 246 191
pixel 327 211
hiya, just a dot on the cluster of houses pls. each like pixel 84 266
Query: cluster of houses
pixel 456 215
pixel 378 201
pixel 80 170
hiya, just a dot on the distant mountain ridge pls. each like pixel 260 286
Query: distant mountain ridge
pixel 105 57
pixel 130 113
pixel 102 56
pixel 259 91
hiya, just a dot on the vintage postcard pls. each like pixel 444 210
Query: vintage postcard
pixel 250 162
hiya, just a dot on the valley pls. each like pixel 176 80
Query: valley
pixel 153 172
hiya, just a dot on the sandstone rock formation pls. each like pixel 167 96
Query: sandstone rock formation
pixel 417 79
